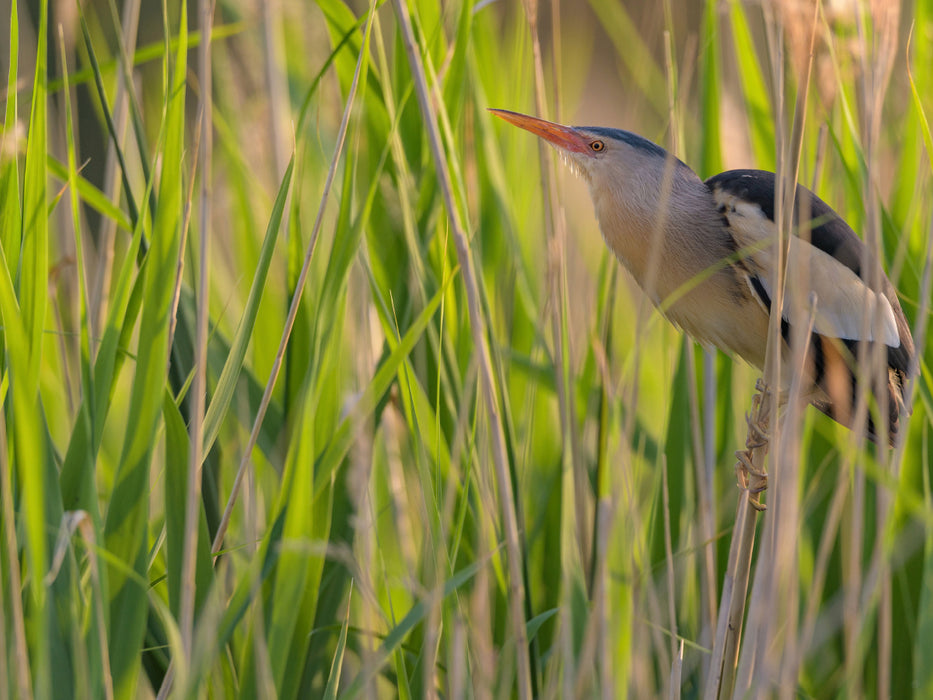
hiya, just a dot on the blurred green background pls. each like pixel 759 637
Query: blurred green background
pixel 524 492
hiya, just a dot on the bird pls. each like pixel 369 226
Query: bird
pixel 702 252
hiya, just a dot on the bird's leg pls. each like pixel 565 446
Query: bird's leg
pixel 782 396
pixel 752 478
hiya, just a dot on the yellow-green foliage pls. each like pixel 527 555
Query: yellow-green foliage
pixel 354 529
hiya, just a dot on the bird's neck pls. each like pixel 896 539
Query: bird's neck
pixel 652 228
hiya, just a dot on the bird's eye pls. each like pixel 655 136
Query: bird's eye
pixel 598 146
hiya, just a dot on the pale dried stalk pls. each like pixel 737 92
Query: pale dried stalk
pixel 18 620
pixel 97 309
pixel 669 561
pixel 769 651
pixel 877 56
pixel 487 380
pixel 721 678
pixel 703 452
pixel 199 387
pixel 556 232
pixel 296 298
pixel 556 274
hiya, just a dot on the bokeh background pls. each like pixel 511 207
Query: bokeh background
pixel 472 461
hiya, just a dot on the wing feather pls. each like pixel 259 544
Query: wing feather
pixel 843 301
pixel 827 266
pixel 846 307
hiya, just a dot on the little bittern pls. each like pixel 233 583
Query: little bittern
pixel 702 252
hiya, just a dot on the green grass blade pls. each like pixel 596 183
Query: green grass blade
pixel 710 162
pixel 150 52
pixel 14 352
pixel 176 475
pixel 108 117
pixel 84 421
pixel 125 529
pixel 25 354
pixel 333 679
pixel 298 573
pixel 413 617
pixel 754 88
pixel 344 435
pixel 33 276
pixel 92 196
pixel 226 384
pixel 10 211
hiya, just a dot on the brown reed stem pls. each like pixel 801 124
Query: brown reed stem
pixel 750 467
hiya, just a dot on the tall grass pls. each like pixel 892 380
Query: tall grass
pixel 338 392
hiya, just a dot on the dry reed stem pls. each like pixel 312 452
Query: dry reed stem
pixel 487 380
pixel 721 678
pixel 556 233
pixel 877 55
pixel 769 648
pixel 296 298
pixel 669 562
pixel 701 433
pixel 97 310
pixel 18 622
pixel 722 681
pixel 199 387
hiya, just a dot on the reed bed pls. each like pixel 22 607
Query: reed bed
pixel 317 382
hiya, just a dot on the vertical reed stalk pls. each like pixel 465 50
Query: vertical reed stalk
pixel 487 379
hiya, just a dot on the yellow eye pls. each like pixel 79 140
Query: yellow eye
pixel 597 146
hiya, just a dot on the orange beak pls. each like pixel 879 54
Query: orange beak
pixel 564 137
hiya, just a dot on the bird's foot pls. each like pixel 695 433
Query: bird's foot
pixel 759 434
pixel 764 390
pixel 751 478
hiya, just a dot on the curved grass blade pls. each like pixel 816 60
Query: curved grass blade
pixel 226 384
pixel 400 632
pixel 92 196
pixel 126 523
pixel 111 128
pixel 330 692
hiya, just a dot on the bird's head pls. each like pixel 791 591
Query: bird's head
pixel 628 175
pixel 587 150
pixel 595 150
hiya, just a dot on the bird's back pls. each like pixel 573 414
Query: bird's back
pixel 835 257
